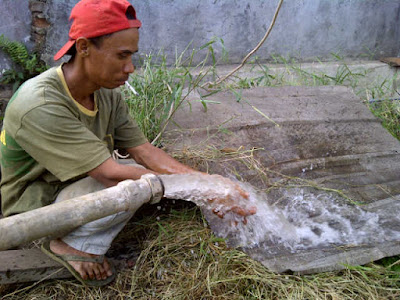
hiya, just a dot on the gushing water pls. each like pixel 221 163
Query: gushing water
pixel 268 223
pixel 322 220
pixel 301 220
pixel 233 213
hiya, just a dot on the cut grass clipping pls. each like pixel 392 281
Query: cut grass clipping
pixel 179 258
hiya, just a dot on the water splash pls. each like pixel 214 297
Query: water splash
pixel 300 220
pixel 324 219
pixel 243 220
pixel 268 223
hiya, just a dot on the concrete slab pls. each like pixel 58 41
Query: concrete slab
pixel 320 143
pixel 32 265
pixel 29 265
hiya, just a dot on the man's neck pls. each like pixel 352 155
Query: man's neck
pixel 80 88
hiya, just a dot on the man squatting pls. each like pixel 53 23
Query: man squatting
pixel 61 127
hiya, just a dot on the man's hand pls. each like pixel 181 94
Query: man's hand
pixel 235 201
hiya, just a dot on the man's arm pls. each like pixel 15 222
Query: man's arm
pixel 155 160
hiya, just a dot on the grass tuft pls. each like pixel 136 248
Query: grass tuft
pixel 161 89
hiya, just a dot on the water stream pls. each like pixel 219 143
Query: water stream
pixel 301 220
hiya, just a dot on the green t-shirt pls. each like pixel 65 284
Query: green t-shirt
pixel 49 140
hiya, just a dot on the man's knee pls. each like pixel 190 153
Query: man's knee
pixel 108 222
pixel 79 188
pixel 88 184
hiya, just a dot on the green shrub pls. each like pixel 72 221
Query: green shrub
pixel 29 63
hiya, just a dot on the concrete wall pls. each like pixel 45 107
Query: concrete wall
pixel 305 29
pixel 15 23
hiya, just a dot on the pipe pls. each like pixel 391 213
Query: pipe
pixel 214 192
pixel 62 217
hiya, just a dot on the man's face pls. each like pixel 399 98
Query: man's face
pixel 110 65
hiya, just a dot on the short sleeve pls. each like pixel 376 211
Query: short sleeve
pixel 127 131
pixel 58 141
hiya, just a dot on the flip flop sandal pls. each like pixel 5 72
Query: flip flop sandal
pixel 63 259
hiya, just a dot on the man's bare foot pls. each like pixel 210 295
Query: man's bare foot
pixel 87 270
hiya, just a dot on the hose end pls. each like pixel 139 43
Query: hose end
pixel 156 186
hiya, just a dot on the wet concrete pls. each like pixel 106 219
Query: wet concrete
pixel 320 139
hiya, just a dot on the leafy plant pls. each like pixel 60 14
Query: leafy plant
pixel 29 63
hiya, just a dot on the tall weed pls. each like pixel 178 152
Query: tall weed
pixel 162 89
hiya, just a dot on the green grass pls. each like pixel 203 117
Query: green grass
pixel 161 88
pixel 389 112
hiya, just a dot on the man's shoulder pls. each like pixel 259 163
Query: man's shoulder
pixel 36 91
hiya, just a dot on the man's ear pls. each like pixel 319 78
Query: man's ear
pixel 82 46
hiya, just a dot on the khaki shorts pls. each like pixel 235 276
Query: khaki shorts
pixel 94 237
